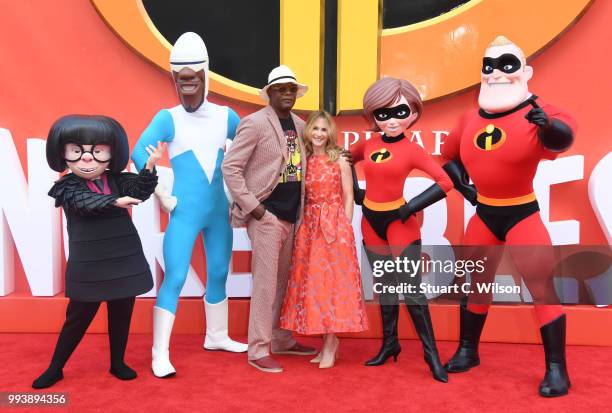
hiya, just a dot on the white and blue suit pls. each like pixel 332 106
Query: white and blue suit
pixel 196 143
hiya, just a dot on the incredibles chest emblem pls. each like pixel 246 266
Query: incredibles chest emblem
pixel 381 155
pixel 489 138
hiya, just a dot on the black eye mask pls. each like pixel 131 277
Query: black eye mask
pixel 398 112
pixel 507 63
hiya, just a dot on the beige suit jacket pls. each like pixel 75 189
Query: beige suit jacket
pixel 256 160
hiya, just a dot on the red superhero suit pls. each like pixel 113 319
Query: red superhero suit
pixel 389 227
pixel 500 146
pixel 501 152
pixel 387 164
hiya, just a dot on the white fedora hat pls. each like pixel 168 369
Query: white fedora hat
pixel 282 74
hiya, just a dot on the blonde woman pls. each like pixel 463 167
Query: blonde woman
pixel 324 293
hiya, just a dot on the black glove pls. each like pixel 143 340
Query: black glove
pixel 405 212
pixel 348 156
pixel 538 117
pixel 429 196
pixel 457 173
pixel 554 134
pixel 358 193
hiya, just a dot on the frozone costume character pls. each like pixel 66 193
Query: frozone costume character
pixel 264 171
pixel 389 226
pixel 500 145
pixel 106 261
pixel 197 132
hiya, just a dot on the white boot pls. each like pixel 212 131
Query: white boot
pixel 162 328
pixel 216 329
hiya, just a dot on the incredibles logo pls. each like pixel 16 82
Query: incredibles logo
pixel 489 138
pixel 337 47
pixel 381 155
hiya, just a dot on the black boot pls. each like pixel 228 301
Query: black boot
pixel 51 376
pixel 390 345
pixel 422 324
pixel 416 302
pixel 122 371
pixel 471 325
pixel 389 311
pixel 78 317
pixel 556 380
pixel 119 317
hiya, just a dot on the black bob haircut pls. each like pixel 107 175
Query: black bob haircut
pixel 87 130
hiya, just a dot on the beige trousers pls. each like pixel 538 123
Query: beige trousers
pixel 272 244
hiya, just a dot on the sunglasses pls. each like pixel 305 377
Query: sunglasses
pixel 287 88
pixel 397 112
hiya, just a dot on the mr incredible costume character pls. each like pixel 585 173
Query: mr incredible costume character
pixel 197 132
pixel 499 146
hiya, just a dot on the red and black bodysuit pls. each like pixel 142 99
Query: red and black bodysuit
pixel 390 230
pixel 387 164
pixel 501 153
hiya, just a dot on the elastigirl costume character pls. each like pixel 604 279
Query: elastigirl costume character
pixel 500 146
pixel 389 226
pixel 196 131
pixel 105 261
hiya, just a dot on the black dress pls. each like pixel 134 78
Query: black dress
pixel 106 261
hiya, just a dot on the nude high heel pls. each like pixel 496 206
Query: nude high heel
pixel 317 359
pixel 328 358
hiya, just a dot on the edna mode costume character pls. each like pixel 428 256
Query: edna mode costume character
pixel 106 262
pixel 500 146
pixel 388 226
pixel 196 132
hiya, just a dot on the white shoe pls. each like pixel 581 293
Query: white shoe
pixel 216 329
pixel 162 328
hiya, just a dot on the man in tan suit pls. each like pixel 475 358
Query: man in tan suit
pixel 264 171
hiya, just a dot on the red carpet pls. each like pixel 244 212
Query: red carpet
pixel 216 381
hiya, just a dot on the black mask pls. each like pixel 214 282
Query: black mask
pixel 507 63
pixel 397 112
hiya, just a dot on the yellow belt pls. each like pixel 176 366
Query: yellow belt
pixel 519 200
pixel 383 206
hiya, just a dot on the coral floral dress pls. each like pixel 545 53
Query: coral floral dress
pixel 324 291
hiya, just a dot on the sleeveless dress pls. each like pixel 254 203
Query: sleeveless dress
pixel 324 292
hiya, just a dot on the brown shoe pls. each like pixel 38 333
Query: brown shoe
pixel 298 350
pixel 267 364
